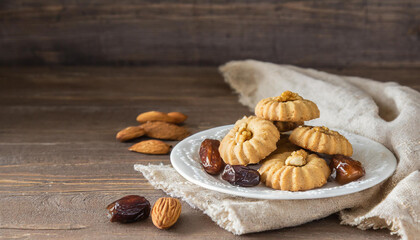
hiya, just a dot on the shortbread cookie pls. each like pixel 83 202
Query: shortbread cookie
pixel 250 140
pixel 287 126
pixel 289 107
pixel 294 171
pixel 321 140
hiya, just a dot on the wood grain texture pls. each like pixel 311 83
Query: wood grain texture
pixel 60 164
pixel 125 32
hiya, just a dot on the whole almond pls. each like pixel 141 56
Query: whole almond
pixel 151 147
pixel 155 116
pixel 130 133
pixel 163 130
pixel 178 117
pixel 166 212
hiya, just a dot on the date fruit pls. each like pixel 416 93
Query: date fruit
pixel 347 169
pixel 241 176
pixel 128 209
pixel 210 156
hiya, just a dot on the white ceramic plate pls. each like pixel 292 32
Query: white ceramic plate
pixel 378 161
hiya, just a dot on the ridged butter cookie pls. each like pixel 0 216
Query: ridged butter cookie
pixel 289 107
pixel 250 141
pixel 296 171
pixel 321 140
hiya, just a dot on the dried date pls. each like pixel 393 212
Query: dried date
pixel 210 156
pixel 128 209
pixel 241 176
pixel 347 169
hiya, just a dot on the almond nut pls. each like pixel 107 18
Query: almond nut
pixel 130 133
pixel 155 116
pixel 178 117
pixel 166 212
pixel 151 147
pixel 163 130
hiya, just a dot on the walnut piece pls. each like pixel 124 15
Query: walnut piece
pixel 297 158
pixel 243 134
pixel 325 130
pixel 288 96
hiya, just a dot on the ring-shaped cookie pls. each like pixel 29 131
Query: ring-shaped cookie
pixel 249 141
pixel 321 140
pixel 289 107
pixel 277 173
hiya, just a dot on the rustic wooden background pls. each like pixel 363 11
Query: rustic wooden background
pixel 332 33
pixel 60 164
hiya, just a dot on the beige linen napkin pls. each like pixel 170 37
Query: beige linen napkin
pixel 385 112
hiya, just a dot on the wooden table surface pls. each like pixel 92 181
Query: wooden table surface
pixel 60 164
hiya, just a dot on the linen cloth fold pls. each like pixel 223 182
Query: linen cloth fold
pixel 385 112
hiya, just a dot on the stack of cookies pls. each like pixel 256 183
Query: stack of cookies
pixel 286 162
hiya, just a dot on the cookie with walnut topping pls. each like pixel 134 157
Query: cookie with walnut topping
pixel 251 139
pixel 288 107
pixel 321 140
pixel 294 171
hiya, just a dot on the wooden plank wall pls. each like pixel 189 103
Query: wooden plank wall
pixel 331 33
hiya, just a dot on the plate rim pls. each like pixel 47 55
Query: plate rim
pixel 197 182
